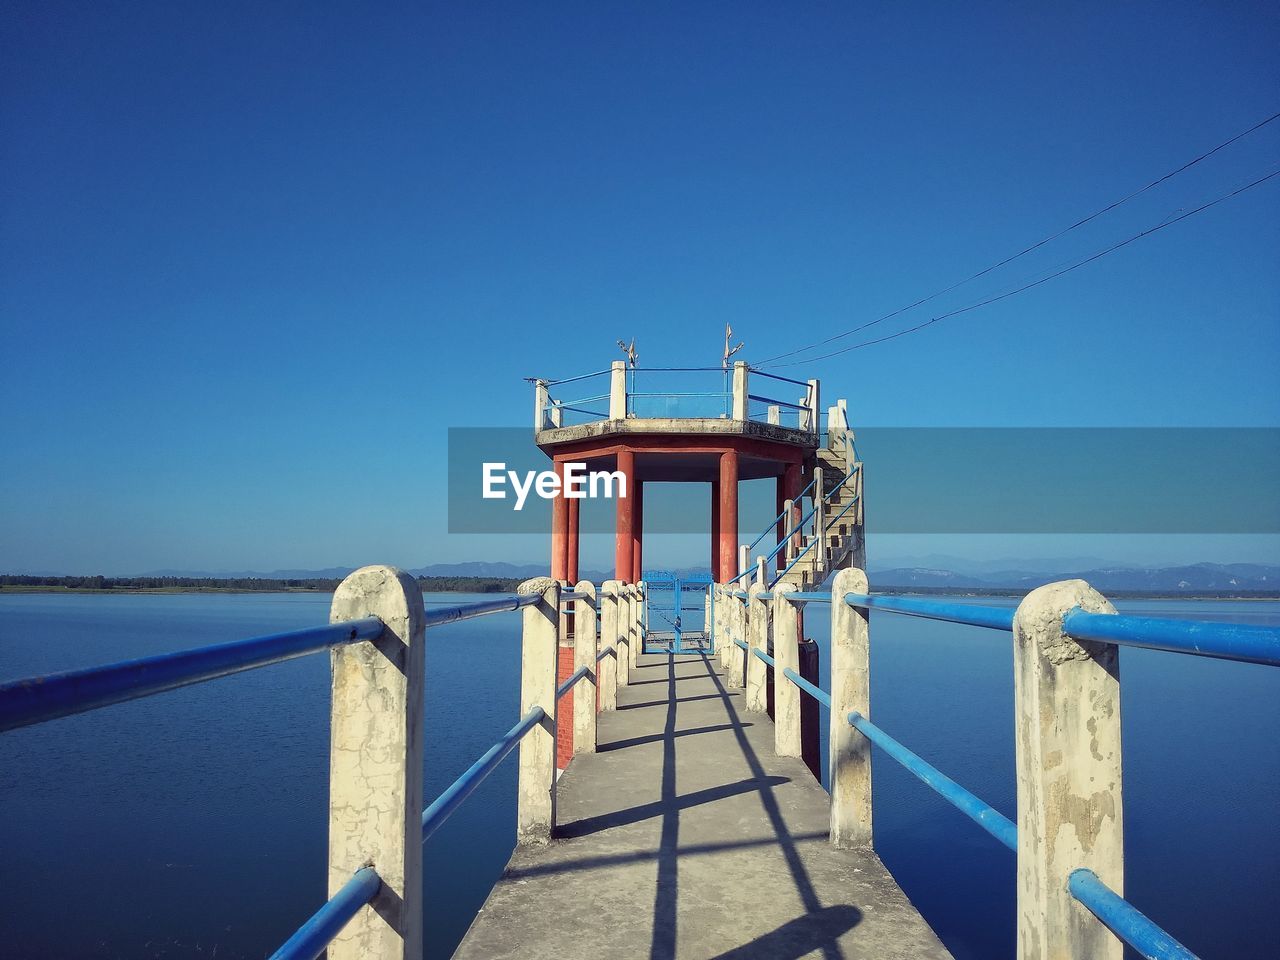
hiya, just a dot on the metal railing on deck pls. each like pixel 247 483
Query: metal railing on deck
pixel 39 699
pixel 1039 628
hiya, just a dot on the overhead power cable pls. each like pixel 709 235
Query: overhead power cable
pixel 1035 283
pixel 1026 250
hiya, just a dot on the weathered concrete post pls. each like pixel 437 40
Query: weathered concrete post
pixel 761 577
pixel 757 639
pixel 618 390
pixel 609 667
pixel 641 591
pixel 585 648
pixel 1067 737
pixel 633 624
pixel 535 795
pixel 613 629
pixel 721 635
pixel 740 390
pixel 375 763
pixel 850 690
pixel 736 630
pixel 786 656
pixel 541 398
pixel 744 567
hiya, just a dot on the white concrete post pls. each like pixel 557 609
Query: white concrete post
pixel 815 415
pixel 740 402
pixel 535 794
pixel 737 630
pixel 612 627
pixel 541 397
pixel 761 577
pixel 618 390
pixel 775 414
pixel 723 612
pixel 375 763
pixel 788 551
pixel 786 656
pixel 850 751
pixel 585 649
pixel 1067 738
pixel 607 669
pixel 555 416
pixel 757 639
pixel 633 625
pixel 744 567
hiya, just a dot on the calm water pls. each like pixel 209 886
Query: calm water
pixel 193 824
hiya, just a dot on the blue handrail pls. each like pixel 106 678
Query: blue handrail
pixel 763 656
pixel 1124 919
pixel 568 684
pixel 814 691
pixel 1247 643
pixel 995 618
pixel 982 813
pixel 465 785
pixel 316 934
pixel 39 699
pixel 606 652
pixel 468 611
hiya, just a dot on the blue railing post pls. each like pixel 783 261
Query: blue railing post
pixel 757 638
pixel 786 655
pixel 850 752
pixel 1067 739
pixel 584 656
pixel 375 764
pixel 535 799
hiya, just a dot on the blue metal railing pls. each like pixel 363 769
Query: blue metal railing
pixel 569 683
pixel 996 618
pixel 1223 641
pixel 39 699
pixel 1123 919
pixel 449 801
pixel 1228 641
pixel 316 934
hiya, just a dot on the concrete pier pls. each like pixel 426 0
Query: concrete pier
pixel 686 835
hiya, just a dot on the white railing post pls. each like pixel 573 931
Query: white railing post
pixel 740 401
pixel 737 630
pixel 761 577
pixel 850 752
pixel 786 656
pixel 723 612
pixel 618 390
pixel 611 667
pixel 535 795
pixel 1067 738
pixel 375 763
pixel 775 414
pixel 585 648
pixel 815 408
pixel 744 567
pixel 541 399
pixel 757 639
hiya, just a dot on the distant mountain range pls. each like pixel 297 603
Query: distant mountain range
pixel 1018 576
pixel 1216 577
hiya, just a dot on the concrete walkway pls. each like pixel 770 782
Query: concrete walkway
pixel 685 836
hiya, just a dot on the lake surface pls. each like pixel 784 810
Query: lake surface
pixel 193 824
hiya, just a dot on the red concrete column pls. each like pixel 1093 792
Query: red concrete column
pixel 728 515
pixel 637 534
pixel 559 530
pixel 715 529
pixel 571 542
pixel 623 529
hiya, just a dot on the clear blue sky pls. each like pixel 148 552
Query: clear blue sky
pixel 256 258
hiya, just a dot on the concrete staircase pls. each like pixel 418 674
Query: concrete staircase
pixel 839 541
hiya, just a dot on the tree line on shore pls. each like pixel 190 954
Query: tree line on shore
pixel 246 584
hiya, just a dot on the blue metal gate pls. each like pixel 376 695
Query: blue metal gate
pixel 675 613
